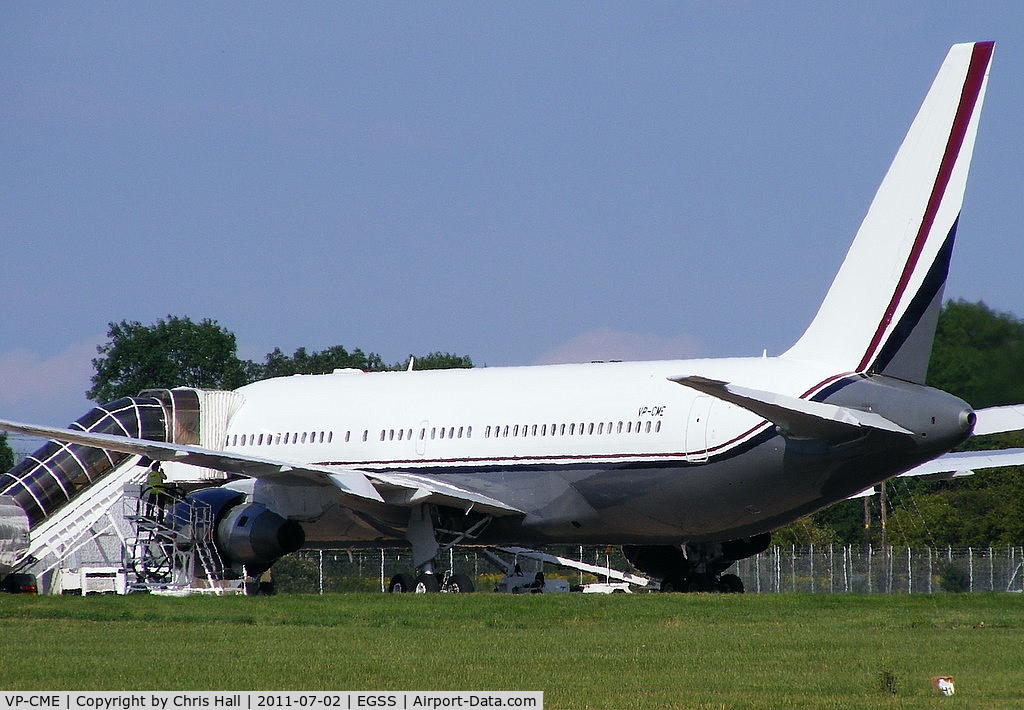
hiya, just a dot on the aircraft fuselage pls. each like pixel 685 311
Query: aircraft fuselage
pixel 595 453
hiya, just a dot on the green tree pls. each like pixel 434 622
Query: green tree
pixel 302 362
pixel 173 352
pixel 6 454
pixel 977 354
pixel 435 361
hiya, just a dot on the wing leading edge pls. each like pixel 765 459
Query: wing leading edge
pixel 393 488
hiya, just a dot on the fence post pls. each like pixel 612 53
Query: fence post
pixel 757 572
pixel 793 569
pixel 869 569
pixel 991 572
pixel 812 568
pixel 778 569
pixel 846 574
pixel 970 562
pixel 909 573
pixel 929 570
pixel 831 569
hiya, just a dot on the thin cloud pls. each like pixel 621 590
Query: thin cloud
pixel 606 344
pixel 34 384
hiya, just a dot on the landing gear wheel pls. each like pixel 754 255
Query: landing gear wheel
pixel 729 584
pixel 400 584
pixel 459 584
pixel 426 584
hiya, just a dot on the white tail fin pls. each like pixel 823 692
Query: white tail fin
pixel 879 314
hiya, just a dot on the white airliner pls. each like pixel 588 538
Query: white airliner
pixel 689 464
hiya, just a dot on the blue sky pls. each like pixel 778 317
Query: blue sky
pixel 519 182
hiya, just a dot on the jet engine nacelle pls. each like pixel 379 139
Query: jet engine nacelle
pixel 255 536
pixel 245 534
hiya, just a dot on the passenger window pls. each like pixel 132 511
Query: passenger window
pixel 469 432
pixel 487 432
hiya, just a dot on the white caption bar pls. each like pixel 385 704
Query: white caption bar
pixel 251 700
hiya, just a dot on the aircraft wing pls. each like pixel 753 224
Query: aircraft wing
pixel 964 463
pixel 997 420
pixel 404 488
pixel 796 417
pixel 350 481
pixel 399 488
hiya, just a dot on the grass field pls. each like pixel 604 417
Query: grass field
pixel 621 651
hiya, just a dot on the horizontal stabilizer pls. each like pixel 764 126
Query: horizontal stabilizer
pixel 797 418
pixel 962 463
pixel 997 420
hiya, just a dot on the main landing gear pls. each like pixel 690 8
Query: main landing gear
pixel 426 583
pixel 425 549
pixel 696 567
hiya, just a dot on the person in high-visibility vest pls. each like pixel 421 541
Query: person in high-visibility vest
pixel 156 490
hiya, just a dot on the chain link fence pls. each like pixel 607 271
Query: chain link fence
pixel 890 570
pixel 815 570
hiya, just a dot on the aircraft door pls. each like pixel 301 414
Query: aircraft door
pixel 697 429
pixel 421 438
